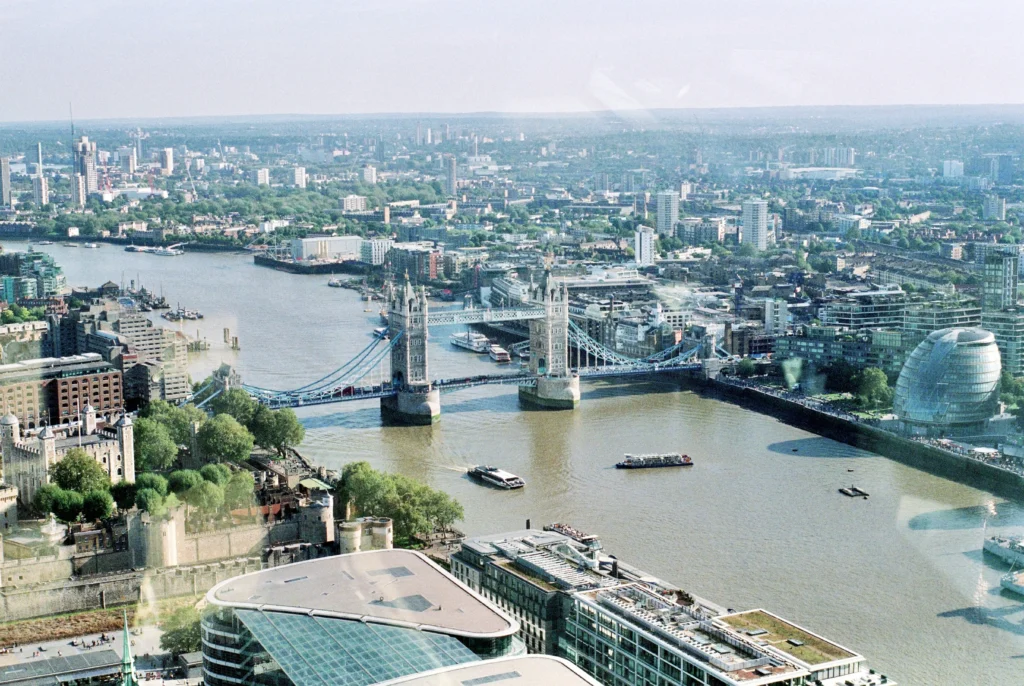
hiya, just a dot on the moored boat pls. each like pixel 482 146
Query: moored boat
pixel 1013 582
pixel 853 492
pixel 1009 549
pixel 499 354
pixel 654 461
pixel 471 340
pixel 336 283
pixel 496 477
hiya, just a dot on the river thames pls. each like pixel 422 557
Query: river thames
pixel 757 522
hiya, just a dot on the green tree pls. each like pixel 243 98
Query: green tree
pixel 97 505
pixel 746 368
pixel 155 481
pixel 276 429
pixel 225 440
pixel 45 497
pixel 873 388
pixel 181 632
pixel 123 493
pixel 178 420
pixel 183 480
pixel 77 471
pixel 218 474
pixel 149 500
pixel 207 497
pixel 67 505
pixel 154 447
pixel 236 403
pixel 239 490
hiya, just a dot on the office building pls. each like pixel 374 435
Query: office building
pixel 453 181
pixel 85 165
pixel 952 169
pixel 755 224
pixel 78 190
pixel 994 209
pixel 776 316
pixel 626 627
pixel 1007 326
pixel 299 177
pixel 167 161
pixel 357 619
pixel 38 267
pixel 261 177
pixel 375 250
pixel 921 319
pixel 643 246
pixel 39 158
pixel 999 281
pixel 866 310
pixel 126 156
pixel 821 347
pixel 421 261
pixel 668 212
pixel 53 389
pixel 369 174
pixel 5 181
pixel 40 191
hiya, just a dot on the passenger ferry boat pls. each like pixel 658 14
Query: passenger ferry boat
pixel 653 461
pixel 497 477
pixel 853 492
pixel 336 283
pixel 1009 549
pixel 169 251
pixel 499 354
pixel 91 245
pixel 381 332
pixel 471 340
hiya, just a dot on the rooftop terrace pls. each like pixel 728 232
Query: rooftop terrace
pixel 767 629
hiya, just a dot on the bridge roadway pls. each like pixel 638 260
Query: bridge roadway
pixel 444 385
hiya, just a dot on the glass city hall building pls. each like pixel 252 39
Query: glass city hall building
pixel 348 620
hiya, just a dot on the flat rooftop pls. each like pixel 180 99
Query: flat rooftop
pixel 399 587
pixel 800 644
pixel 690 631
pixel 60 670
pixel 529 670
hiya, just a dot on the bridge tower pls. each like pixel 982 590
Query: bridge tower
pixel 416 401
pixel 557 387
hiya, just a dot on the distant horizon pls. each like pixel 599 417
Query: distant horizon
pixel 511 114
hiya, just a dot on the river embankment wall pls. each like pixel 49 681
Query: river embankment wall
pixel 960 468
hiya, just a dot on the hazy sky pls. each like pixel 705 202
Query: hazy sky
pixel 152 58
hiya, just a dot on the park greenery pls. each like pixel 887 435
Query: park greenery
pixel 181 633
pixel 79 487
pixel 414 508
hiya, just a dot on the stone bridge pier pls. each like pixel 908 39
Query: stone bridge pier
pixel 557 388
pixel 417 402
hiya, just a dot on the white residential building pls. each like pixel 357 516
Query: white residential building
pixel 370 174
pixel 952 169
pixel 643 246
pixel 668 212
pixel 299 177
pixel 261 177
pixel 374 250
pixel 353 203
pixel 755 224
pixel 776 315
pixel 40 190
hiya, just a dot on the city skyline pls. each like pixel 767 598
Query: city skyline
pixel 454 56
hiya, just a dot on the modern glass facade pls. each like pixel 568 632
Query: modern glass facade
pixel 950 382
pixel 254 647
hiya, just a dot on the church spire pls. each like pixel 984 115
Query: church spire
pixel 128 676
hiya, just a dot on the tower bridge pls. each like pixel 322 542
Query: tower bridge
pixel 396 369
